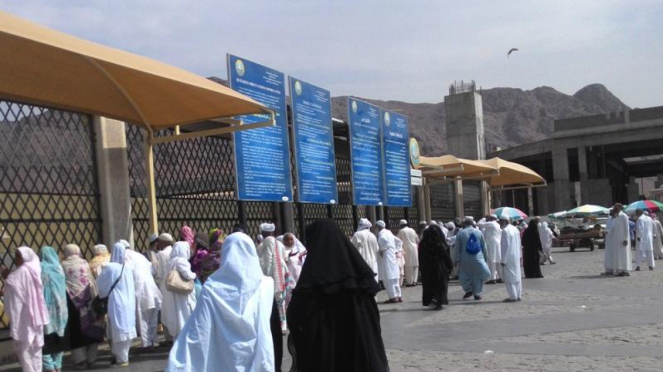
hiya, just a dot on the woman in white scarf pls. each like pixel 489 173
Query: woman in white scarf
pixel 176 308
pixel 229 330
pixel 121 303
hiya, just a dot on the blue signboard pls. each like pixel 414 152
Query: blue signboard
pixel 262 156
pixel 365 153
pixel 313 143
pixel 395 138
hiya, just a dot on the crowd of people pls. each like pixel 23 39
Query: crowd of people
pixel 225 302
pixel 643 233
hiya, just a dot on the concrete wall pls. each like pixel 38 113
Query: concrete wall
pixel 597 191
pixel 464 122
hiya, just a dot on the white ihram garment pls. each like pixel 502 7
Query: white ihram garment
pixel 511 252
pixel 608 254
pixel 367 245
pixel 411 252
pixel 492 233
pixel 176 308
pixel 644 230
pixel 658 239
pixel 389 262
pixel 620 235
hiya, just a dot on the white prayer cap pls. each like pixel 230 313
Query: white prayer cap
pixel 381 223
pixel 433 223
pixel 422 222
pixel 125 243
pixel 364 224
pixel 166 237
pixel 469 219
pixel 153 238
pixel 100 248
pixel 504 217
pixel 646 213
pixel 268 227
pixel 450 225
pixel 493 216
pixel 402 222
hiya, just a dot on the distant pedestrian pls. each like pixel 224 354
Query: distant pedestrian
pixel 546 235
pixel 493 235
pixel 367 245
pixel 621 241
pixel 410 252
pixel 55 297
pixel 470 257
pixel 389 262
pixel 510 260
pixel 532 250
pixel 436 265
pixel 658 238
pixel 644 232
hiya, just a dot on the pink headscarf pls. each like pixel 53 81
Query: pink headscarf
pixel 25 284
pixel 188 236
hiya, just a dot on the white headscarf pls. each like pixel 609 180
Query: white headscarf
pixel 240 299
pixel 364 224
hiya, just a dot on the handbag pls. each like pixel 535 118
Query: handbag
pixel 100 304
pixel 175 283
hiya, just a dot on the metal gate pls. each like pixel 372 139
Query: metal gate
pixel 195 186
pixel 442 205
pixel 48 181
pixel 472 199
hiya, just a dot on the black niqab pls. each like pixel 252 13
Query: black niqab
pixel 333 318
pixel 532 249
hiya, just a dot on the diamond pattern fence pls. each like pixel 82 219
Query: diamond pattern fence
pixel 48 181
pixel 442 203
pixel 472 199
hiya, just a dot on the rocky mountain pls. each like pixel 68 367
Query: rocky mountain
pixel 511 116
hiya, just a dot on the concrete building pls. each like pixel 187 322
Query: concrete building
pixel 592 159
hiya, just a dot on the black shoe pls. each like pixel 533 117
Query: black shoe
pixel 499 281
pixel 637 268
pixel 623 274
pixel 478 298
pixel 491 282
pixel 468 295
pixel 651 268
pixel 510 300
pixel 519 299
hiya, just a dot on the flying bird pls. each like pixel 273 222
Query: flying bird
pixel 511 51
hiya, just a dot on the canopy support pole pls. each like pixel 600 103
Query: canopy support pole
pixel 151 185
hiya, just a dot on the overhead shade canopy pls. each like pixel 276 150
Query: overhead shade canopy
pixel 512 174
pixel 451 167
pixel 45 67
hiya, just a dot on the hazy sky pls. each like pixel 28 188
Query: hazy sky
pixel 400 50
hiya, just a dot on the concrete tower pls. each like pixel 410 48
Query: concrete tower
pixel 464 111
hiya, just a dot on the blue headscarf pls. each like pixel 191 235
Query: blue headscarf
pixel 117 252
pixel 55 291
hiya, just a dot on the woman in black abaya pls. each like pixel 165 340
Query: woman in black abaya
pixel 532 250
pixel 333 318
pixel 435 265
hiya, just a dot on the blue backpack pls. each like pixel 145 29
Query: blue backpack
pixel 473 246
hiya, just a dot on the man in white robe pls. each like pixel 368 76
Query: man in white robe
pixel 411 253
pixel 121 303
pixel 658 238
pixel 388 260
pixel 511 252
pixel 164 249
pixel 644 231
pixel 622 242
pixel 493 235
pixel 367 244
pixel 148 297
pixel 609 251
pixel 230 328
pixel 546 236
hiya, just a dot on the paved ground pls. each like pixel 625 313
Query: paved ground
pixel 573 320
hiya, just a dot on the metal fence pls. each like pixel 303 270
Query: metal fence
pixel 442 205
pixel 472 199
pixel 48 181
